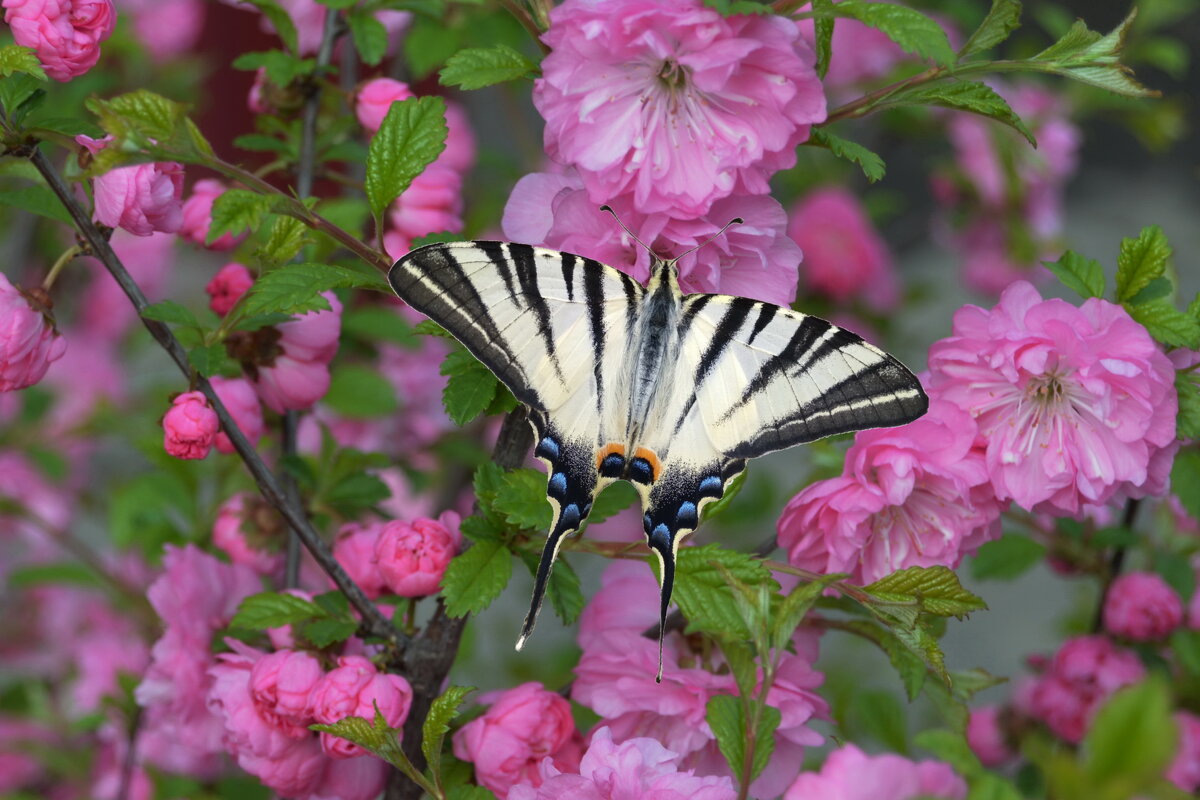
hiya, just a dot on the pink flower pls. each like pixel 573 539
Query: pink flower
pixel 1072 403
pixel 142 198
pixel 289 363
pixel 415 374
pixel 640 768
pixel 1184 771
pixel 107 648
pixel 197 216
pixel 354 549
pixel 280 683
pixel 241 402
pixel 851 774
pixel 1142 607
pixel 355 689
pixel 65 33
pixel 844 256
pixel 672 102
pixel 106 311
pixel 375 97
pixel 987 738
pixel 249 531
pixel 917 495
pixel 28 341
pixel 755 259
pixel 460 141
pixel 431 204
pixel 19 767
pixel 522 727
pixel 1082 675
pixel 190 426
pixel 167 28
pixel 412 558
pixel 227 287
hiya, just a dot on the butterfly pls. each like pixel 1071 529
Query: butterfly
pixel 672 392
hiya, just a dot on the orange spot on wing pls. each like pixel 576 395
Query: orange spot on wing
pixel 652 459
pixel 608 450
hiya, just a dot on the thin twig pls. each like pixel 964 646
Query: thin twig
pixel 374 623
pixel 1115 563
pixel 129 763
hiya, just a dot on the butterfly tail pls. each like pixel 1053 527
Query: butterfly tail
pixel 541 579
pixel 664 547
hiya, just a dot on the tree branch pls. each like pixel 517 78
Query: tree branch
pixel 373 622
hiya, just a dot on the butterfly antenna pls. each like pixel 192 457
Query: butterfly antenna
pixel 718 234
pixel 625 228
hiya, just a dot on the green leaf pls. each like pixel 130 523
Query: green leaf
pixel 1140 261
pixel 274 610
pixel 261 143
pixel 16 90
pixel 470 389
pixel 296 288
pixel 469 792
pixel 281 68
pixel 1187 386
pixel 286 237
pixel 324 632
pixel 1003 18
pixel 1006 558
pixel 280 20
pixel 1132 738
pixel 702 593
pixel 140 112
pixel 1167 324
pixel 564 592
pixel 951 747
pixel 487 482
pixel 360 392
pixel 823 35
pixel 613 500
pixel 1090 58
pixel 936 590
pixel 369 35
pixel 1080 274
pixel 731 491
pixel 437 724
pixel 481 529
pixel 355 493
pixel 378 324
pixel 1185 644
pixel 726 716
pixel 57 573
pixel 795 606
pixel 476 578
pixel 412 135
pixel 909 666
pixel 477 67
pixel 871 164
pixel 910 29
pixel 1176 571
pixel 170 312
pixel 207 359
pixel 734 8
pixel 764 739
pixel 972 96
pixel 235 211
pixel 36 200
pixel 15 58
pixel 522 500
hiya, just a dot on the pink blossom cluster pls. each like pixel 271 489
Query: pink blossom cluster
pixel 29 342
pixel 66 34
pixel 1084 673
pixel 1142 607
pixel 401 558
pixel 851 774
pixel 250 532
pixel 142 198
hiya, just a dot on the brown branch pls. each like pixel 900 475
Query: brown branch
pixel 373 622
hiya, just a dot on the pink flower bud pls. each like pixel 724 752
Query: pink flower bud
pixel 1141 606
pixel 279 686
pixel 249 531
pixel 189 426
pixel 242 404
pixel 986 737
pixel 431 204
pixel 141 199
pixel 413 558
pixel 355 551
pixel 289 364
pixel 227 287
pixel 197 216
pixel 375 97
pixel 65 33
pixel 28 341
pixel 352 690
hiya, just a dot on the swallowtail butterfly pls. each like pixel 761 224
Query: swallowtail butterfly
pixel 670 391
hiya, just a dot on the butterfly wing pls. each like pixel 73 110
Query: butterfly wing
pixel 760 378
pixel 554 328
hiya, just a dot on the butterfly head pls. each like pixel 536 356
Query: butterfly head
pixel 663 270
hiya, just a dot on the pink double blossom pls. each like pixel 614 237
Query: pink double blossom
pixel 431 204
pixel 249 531
pixel 638 767
pixel 851 774
pixel 240 400
pixel 355 688
pixel 65 33
pixel 1084 673
pixel 1072 403
pixel 375 97
pixel 29 342
pixel 672 103
pixel 166 28
pixel 142 198
pixel 189 426
pixel 227 287
pixel 413 557
pixel 987 738
pixel 1141 606
pixel 197 216
pixel 354 549
pixel 917 495
pixel 280 684
pixel 523 727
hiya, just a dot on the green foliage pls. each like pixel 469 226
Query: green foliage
pixel 16 59
pixel 870 163
pixel 471 389
pixel 1091 58
pixel 286 237
pixel 730 723
pixel 1141 261
pixel 296 288
pixel 360 392
pixel 478 67
pixel 823 35
pixel 521 499
pixel 794 606
pixel 1144 289
pixel 148 122
pixel 281 68
pixel 437 724
pixel 1080 274
pixel 323 623
pixel 476 578
pixel 36 200
pixel 1003 18
pixel 1131 740
pixel 369 35
pixel 973 96
pixel 934 590
pixel 704 596
pixel 170 312
pixel 910 29
pixel 411 136
pixel 731 8
pixel 1006 558
pixel 280 20
pixel 1185 480
pixel 614 499
pixel 208 359
pixel 237 210
pixel 1187 386
pixel 379 324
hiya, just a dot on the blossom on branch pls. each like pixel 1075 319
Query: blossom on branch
pixel 1084 673
pixel 65 33
pixel 197 216
pixel 190 426
pixel 851 774
pixel 1141 606
pixel 29 343
pixel 413 557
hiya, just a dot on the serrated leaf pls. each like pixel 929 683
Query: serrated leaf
pixel 726 717
pixel 442 711
pixel 1006 558
pixel 1140 261
pixel 1167 324
pixel 36 200
pixel 235 211
pixel 965 684
pixel 411 136
pixel 358 731
pixel 1132 737
pixel 795 605
pixel 823 35
pixel 476 578
pixel 936 590
pixel 735 8
pixel 143 112
pixel 274 610
pixel 910 29
pixel 324 632
pixel 764 743
pixel 562 590
pixel 871 164
pixel 207 359
pixel 296 288
pixel 15 58
pixel 614 499
pixel 477 67
pixel 280 20
pixel 909 666
pixel 360 392
pixel 522 499
pixel 1187 387
pixel 471 387
pixel 285 239
pixel 369 35
pixel 480 529
pixel 1002 19
pixel 972 96
pixel 1090 58
pixel 170 312
pixel 702 593
pixel 1080 274
pixel 281 68
pixel 487 482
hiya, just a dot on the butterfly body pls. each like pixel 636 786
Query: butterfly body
pixel 670 391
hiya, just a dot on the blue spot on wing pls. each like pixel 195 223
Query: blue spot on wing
pixel 711 485
pixel 558 483
pixel 570 517
pixel 686 516
pixel 547 448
